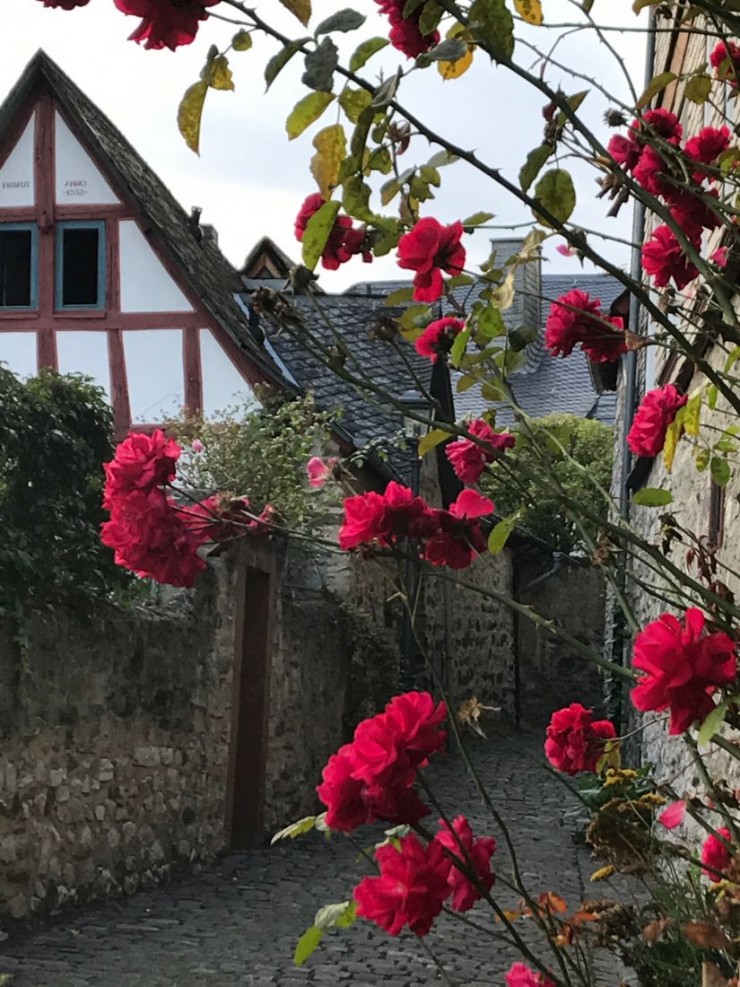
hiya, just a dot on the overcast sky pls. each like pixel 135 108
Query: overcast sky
pixel 249 180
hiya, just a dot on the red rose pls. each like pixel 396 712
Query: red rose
pixel 430 248
pixel 438 337
pixel 477 852
pixel 663 122
pixel 693 214
pixel 458 538
pixel 468 459
pixel 405 34
pixel 715 854
pixel 625 151
pixel 706 147
pixel 410 889
pixel 141 462
pixel 149 536
pixel 649 170
pixel 575 742
pixel 166 23
pixel 345 241
pixel 521 975
pixel 663 258
pixel 725 60
pixel 65 4
pixel 682 666
pixel 576 318
pixel 652 419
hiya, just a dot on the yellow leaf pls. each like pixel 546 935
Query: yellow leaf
pixel 299 8
pixel 603 873
pixel 670 445
pixel 692 415
pixel 190 113
pixel 503 296
pixel 219 73
pixel 453 70
pixel 529 11
pixel 432 439
pixel 330 144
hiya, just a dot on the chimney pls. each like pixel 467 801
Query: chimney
pixel 210 233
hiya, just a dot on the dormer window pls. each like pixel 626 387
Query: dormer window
pixel 80 265
pixel 18 266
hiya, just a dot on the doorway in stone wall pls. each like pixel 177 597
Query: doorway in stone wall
pixel 248 754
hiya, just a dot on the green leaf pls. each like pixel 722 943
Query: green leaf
pixel 442 158
pixel 712 724
pixel 652 497
pixel 356 199
pixel 242 41
pixel 459 346
pixel 304 825
pixel 450 50
pixel 399 296
pixel 320 65
pixel 490 21
pixel 432 439
pixel 655 86
pixel 490 324
pixel 500 535
pixel 278 62
pixel 533 165
pixel 366 51
pixel 190 114
pixel 217 73
pixel 317 233
pixel 639 5
pixel 478 219
pixel 556 193
pixel 344 20
pixel 306 111
pixel 702 459
pixel 712 395
pixel 720 471
pixel 307 944
pixel 354 101
pixel 698 88
pixel 430 17
pixel 329 916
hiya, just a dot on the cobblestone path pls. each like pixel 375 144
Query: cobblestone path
pixel 237 924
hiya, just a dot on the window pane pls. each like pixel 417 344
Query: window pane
pixel 80 267
pixel 15 268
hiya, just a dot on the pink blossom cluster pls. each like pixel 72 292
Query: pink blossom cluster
pixel 648 153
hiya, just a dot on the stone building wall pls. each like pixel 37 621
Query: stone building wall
pixel 114 747
pixel 573 598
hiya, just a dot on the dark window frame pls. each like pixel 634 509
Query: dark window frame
pixel 79 224
pixel 31 228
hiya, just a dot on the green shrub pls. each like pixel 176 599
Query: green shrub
pixel 561 451
pixel 55 434
pixel 260 453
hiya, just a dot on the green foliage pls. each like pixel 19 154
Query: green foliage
pixel 571 453
pixel 259 453
pixel 55 436
pixel 374 665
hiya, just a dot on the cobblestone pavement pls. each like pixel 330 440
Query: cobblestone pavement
pixel 237 924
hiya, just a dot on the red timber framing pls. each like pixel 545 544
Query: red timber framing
pixel 46 322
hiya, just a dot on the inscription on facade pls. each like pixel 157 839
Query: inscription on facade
pixel 75 187
pixel 16 184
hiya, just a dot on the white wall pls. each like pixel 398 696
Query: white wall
pixel 78 180
pixel 145 284
pixel 18 352
pixel 16 175
pixel 223 385
pixel 154 366
pixel 85 353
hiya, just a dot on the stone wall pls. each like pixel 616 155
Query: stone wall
pixel 114 746
pixel 573 598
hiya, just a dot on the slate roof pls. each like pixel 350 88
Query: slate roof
pixel 349 322
pixel 203 267
pixel 544 385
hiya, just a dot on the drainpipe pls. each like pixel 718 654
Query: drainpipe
pixel 619 633
pixel 557 565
